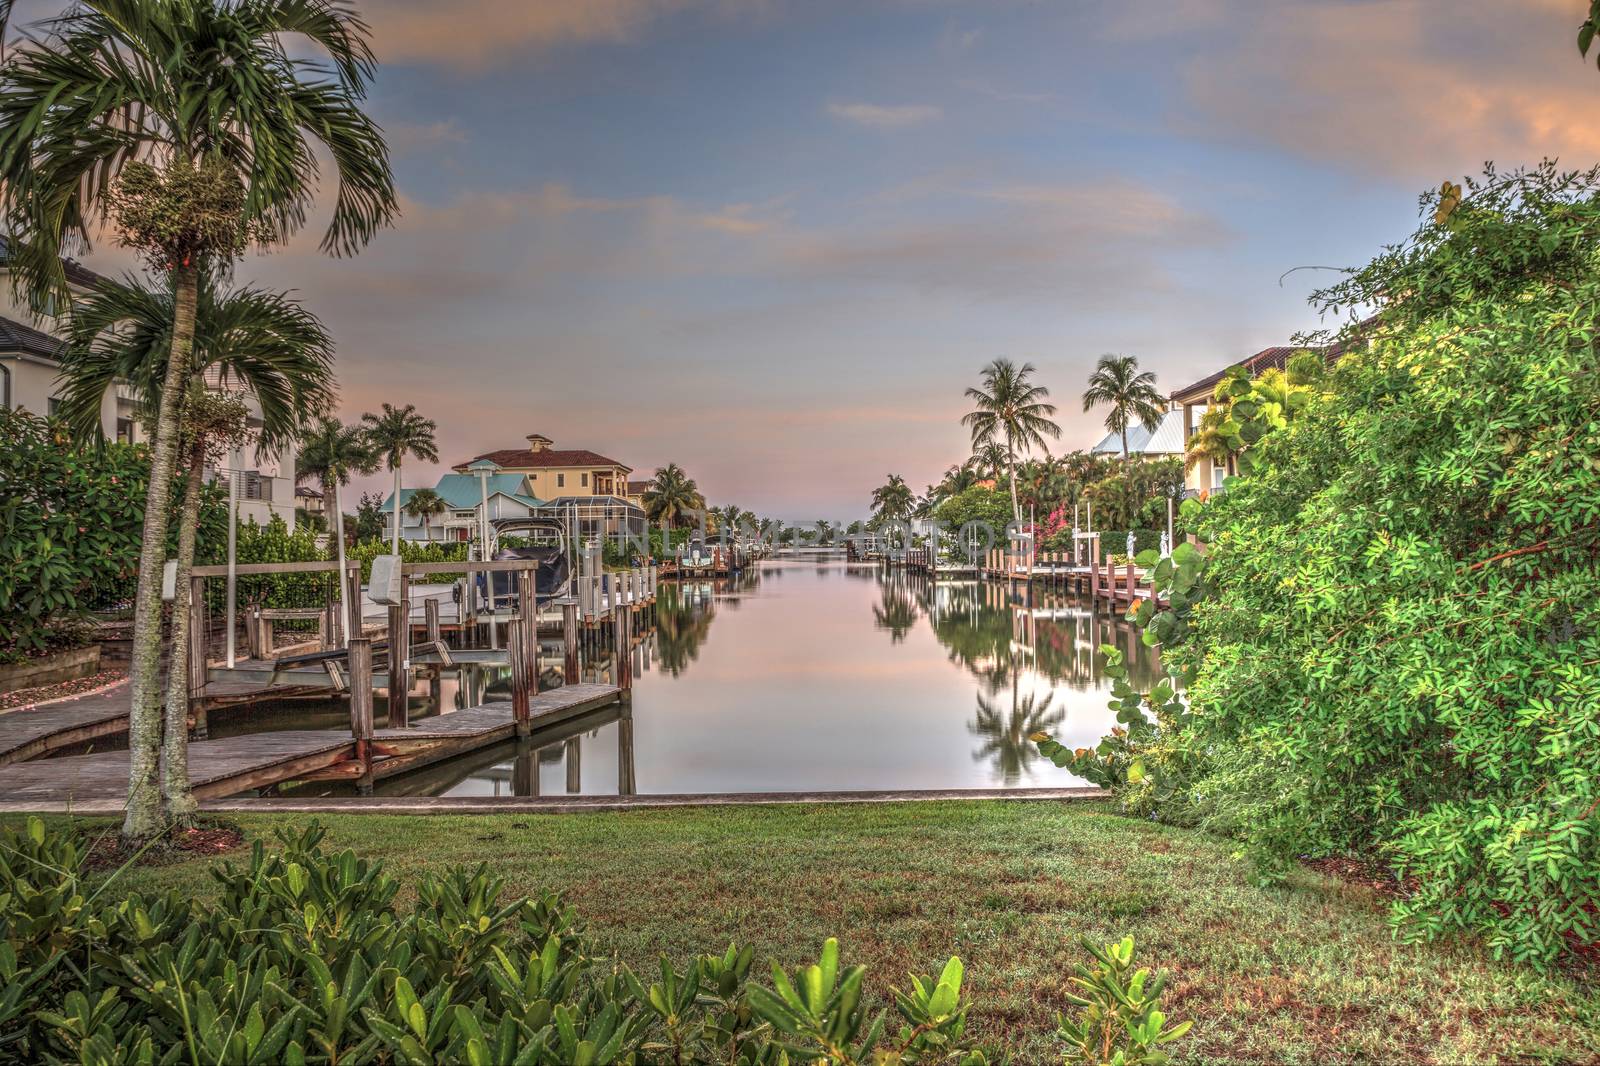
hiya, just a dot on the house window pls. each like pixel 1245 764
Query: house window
pixel 5 386
pixel 585 480
pixel 561 481
pixel 124 431
pixel 54 406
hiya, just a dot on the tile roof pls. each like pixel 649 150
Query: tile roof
pixel 1274 358
pixel 527 459
pixel 1165 439
pixel 639 488
pixel 17 337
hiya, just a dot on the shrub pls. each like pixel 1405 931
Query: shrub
pixel 1391 646
pixel 1120 1021
pixel 71 521
pixel 304 957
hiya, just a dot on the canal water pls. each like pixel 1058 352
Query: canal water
pixel 799 676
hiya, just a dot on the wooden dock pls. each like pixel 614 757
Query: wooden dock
pixel 230 766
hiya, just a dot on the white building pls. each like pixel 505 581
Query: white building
pixel 30 368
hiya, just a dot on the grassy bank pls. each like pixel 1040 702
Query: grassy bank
pixel 1304 973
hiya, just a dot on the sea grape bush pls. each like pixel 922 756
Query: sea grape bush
pixel 1392 644
pixel 304 957
pixel 70 522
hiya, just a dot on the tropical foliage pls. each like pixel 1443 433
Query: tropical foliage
pixel 673 498
pixel 306 957
pixel 892 502
pixel 393 435
pixel 1390 648
pixel 1009 409
pixel 70 521
pixel 1118 383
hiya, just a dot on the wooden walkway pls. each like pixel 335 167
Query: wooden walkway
pixel 28 733
pixel 229 766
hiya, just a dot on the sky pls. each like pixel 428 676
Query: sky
pixel 775 240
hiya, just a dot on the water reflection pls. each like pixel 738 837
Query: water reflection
pixel 806 676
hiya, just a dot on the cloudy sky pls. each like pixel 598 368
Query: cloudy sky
pixel 774 240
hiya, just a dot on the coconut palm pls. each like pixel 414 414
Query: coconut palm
pixel 197 124
pixel 1006 732
pixel 988 462
pixel 1132 394
pixel 1013 410
pixel 247 341
pixel 673 498
pixel 426 504
pixel 332 452
pixel 892 502
pixel 395 434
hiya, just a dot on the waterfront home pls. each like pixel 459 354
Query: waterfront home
pixel 509 497
pixel 589 491
pixel 1166 441
pixel 31 341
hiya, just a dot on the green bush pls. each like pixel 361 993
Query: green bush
pixel 1120 1021
pixel 71 524
pixel 414 552
pixel 1391 646
pixel 304 957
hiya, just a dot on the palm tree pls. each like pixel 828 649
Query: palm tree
pixel 426 504
pixel 393 435
pixel 892 502
pixel 247 341
pixel 1012 408
pixel 673 498
pixel 988 461
pixel 196 124
pixel 331 453
pixel 1117 381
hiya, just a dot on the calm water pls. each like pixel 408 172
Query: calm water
pixel 802 676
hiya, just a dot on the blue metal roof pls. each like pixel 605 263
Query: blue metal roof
pixel 462 493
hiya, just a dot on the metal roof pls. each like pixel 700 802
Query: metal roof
pixel 1165 439
pixel 461 492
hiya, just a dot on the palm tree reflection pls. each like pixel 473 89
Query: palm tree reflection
pixel 1005 730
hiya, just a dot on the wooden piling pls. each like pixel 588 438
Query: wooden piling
pixel 623 660
pixel 520 697
pixel 569 641
pixel 430 616
pixel 360 655
pixel 572 752
pixel 400 658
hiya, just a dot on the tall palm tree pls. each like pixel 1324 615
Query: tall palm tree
pixel 673 497
pixel 214 110
pixel 395 434
pixel 331 453
pixel 988 461
pixel 426 504
pixel 892 502
pixel 1118 381
pixel 247 341
pixel 1011 408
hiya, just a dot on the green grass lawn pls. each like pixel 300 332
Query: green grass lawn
pixel 1303 973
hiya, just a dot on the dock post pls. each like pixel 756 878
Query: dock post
pixel 520 700
pixel 571 754
pixel 197 655
pixel 361 708
pixel 430 616
pixel 626 784
pixel 400 657
pixel 569 641
pixel 620 652
pixel 1131 583
pixel 354 584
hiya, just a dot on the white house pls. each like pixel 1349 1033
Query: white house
pixel 30 367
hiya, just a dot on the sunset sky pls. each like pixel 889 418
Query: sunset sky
pixel 774 240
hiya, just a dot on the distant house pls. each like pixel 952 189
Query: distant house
pixel 463 497
pixel 589 490
pixel 30 370
pixel 1167 440
pixel 1193 400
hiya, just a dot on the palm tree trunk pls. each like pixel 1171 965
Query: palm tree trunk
pixel 1126 458
pixel 396 509
pixel 1011 476
pixel 346 608
pixel 180 803
pixel 143 818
